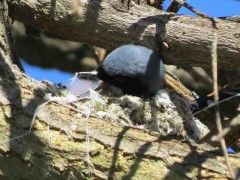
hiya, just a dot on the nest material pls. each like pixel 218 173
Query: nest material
pixel 166 113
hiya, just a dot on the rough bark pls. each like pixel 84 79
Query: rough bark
pixel 114 151
pixel 182 40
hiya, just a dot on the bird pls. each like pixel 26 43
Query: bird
pixel 135 69
pixel 139 71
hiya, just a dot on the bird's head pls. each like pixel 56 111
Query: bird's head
pixel 137 70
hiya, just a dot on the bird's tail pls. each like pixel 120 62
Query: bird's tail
pixel 204 103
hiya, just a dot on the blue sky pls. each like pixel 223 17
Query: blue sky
pixel 53 75
pixel 214 8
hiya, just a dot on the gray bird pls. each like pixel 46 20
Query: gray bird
pixel 136 70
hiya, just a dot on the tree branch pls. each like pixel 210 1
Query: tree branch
pixel 182 40
pixel 114 151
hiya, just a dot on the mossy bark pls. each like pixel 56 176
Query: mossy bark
pixel 57 150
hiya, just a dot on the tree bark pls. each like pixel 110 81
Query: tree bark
pixel 112 151
pixel 182 40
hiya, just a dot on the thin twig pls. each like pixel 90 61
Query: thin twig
pixel 216 100
pixel 235 122
pixel 195 11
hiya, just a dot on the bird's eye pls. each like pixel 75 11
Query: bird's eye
pixel 118 79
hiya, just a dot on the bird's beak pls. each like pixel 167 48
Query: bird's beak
pixel 92 75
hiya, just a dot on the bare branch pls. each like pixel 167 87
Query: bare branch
pixel 216 100
pixel 182 40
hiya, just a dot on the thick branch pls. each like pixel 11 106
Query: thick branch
pixel 112 152
pixel 115 152
pixel 183 40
